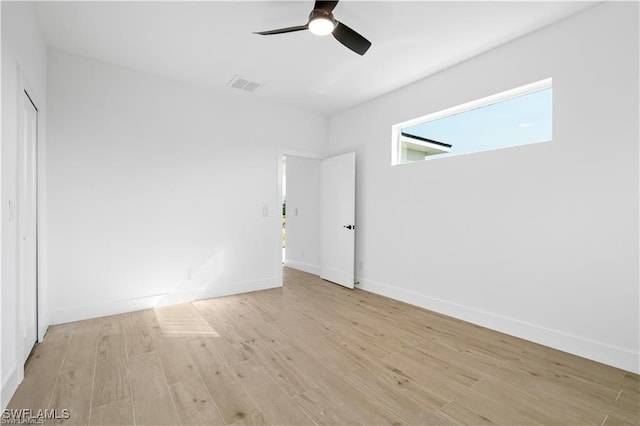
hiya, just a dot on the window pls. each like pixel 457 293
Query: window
pixel 515 117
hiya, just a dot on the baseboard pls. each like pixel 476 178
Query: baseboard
pixel 79 313
pixel 218 291
pixel 302 266
pixel 43 325
pixel 586 348
pixel 10 384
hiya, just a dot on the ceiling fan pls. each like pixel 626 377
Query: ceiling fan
pixel 322 22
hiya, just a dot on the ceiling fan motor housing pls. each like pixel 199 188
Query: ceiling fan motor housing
pixel 321 14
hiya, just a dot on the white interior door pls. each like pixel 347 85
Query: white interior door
pixel 27 217
pixel 338 219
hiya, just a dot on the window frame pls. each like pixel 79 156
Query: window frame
pixel 396 129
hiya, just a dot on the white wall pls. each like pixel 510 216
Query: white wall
pixel 157 189
pixel 539 241
pixel 303 214
pixel 23 67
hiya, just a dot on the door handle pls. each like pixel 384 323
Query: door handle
pixel 349 226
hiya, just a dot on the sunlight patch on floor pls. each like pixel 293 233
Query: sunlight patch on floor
pixel 183 321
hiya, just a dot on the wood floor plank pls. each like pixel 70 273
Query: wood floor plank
pixel 545 410
pixel 73 393
pixel 246 323
pixel 461 352
pixel 81 353
pixel 260 309
pixel 111 325
pixel 479 409
pixel 568 377
pixel 74 385
pixel 343 315
pixel 274 301
pixel 331 384
pixel 467 416
pixel 176 362
pixel 380 338
pixel 542 381
pixel 152 402
pixel 384 379
pixel 411 374
pixel 342 352
pixel 194 404
pixel 273 401
pixel 115 413
pixel 232 400
pixel 631 381
pixel 211 311
pixel 561 361
pixel 389 397
pixel 627 406
pixel 456 372
pixel 137 332
pixel 256 419
pixel 278 361
pixel 231 347
pixel 69 328
pixel 612 420
pixel 111 377
pixel 323 410
pixel 549 389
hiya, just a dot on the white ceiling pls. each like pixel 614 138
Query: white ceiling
pixel 207 43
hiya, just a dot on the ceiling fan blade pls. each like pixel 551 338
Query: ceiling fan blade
pixel 351 39
pixel 325 6
pixel 284 30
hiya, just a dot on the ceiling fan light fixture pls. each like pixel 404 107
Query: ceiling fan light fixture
pixel 321 26
pixel 321 22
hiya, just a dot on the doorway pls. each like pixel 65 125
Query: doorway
pixel 299 198
pixel 317 195
pixel 301 213
pixel 27 209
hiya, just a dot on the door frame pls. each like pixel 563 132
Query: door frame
pixel 280 166
pixel 25 88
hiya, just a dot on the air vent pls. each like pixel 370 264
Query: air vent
pixel 242 83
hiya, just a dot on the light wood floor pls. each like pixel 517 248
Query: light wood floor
pixel 313 352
